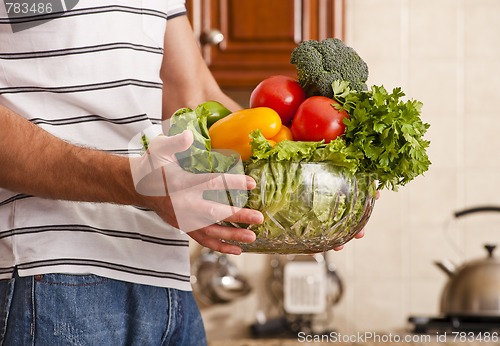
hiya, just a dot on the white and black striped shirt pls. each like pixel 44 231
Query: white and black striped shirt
pixel 90 75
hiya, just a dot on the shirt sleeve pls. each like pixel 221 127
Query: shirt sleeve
pixel 176 8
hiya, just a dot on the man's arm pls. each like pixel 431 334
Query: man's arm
pixel 187 80
pixel 34 162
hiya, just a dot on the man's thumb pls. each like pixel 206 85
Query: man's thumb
pixel 182 141
pixel 164 146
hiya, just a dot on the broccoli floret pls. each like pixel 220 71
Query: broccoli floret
pixel 319 63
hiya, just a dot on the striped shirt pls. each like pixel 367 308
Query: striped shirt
pixel 90 75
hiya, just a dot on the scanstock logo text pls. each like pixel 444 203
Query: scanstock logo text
pixel 25 14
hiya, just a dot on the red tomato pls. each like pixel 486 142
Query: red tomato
pixel 317 119
pixel 281 93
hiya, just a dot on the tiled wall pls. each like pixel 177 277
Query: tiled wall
pixel 446 54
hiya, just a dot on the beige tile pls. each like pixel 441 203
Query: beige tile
pixel 390 209
pixel 433 29
pixel 384 222
pixel 380 255
pixel 482 185
pixel 428 244
pixel 444 150
pixel 342 261
pixel 374 27
pixel 384 298
pixel 481 28
pixel 431 196
pixel 252 264
pixel 344 316
pixel 481 147
pixel 480 229
pixel 482 91
pixel 387 73
pixel 435 84
pixel 425 297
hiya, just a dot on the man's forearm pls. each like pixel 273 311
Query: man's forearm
pixel 34 162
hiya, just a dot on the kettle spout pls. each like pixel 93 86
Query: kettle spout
pixel 447 266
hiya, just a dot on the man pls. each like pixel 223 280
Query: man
pixel 84 258
pixel 73 92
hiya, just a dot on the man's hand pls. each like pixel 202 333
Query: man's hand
pixel 177 196
pixel 214 237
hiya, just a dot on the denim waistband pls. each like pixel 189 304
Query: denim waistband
pixel 62 309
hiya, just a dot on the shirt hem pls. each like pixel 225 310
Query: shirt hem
pixel 183 285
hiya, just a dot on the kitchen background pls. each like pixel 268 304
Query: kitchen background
pixel 445 54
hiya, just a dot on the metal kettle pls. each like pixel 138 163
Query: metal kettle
pixel 217 280
pixel 473 289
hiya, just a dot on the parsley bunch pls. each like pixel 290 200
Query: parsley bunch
pixel 387 130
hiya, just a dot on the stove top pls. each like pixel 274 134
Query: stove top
pixel 475 324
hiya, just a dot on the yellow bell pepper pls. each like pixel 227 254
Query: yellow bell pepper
pixel 283 134
pixel 233 131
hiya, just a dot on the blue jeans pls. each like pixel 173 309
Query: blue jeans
pixel 60 309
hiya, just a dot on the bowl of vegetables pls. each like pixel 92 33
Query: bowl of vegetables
pixel 319 147
pixel 308 207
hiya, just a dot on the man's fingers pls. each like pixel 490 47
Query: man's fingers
pixel 247 216
pixel 222 181
pixel 164 147
pixel 205 213
pixel 215 237
pixel 360 234
pixel 241 235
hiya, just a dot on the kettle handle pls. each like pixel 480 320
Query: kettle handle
pixel 464 212
pixel 479 209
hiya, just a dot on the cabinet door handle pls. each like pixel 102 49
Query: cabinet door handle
pixel 212 37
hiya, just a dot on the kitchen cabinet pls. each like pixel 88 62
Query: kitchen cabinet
pixel 259 35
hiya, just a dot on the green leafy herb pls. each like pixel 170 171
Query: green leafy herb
pixel 387 131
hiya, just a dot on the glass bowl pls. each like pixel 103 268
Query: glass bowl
pixel 307 207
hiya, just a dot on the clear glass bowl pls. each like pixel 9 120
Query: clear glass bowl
pixel 307 207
